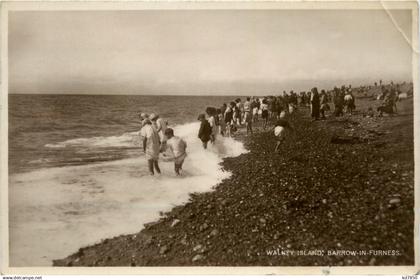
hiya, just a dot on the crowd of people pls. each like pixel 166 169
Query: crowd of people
pixel 390 97
pixel 156 138
pixel 270 110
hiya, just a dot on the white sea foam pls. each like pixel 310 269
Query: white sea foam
pixel 129 139
pixel 55 211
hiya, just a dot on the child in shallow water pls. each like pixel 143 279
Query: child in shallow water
pixel 178 148
pixel 280 132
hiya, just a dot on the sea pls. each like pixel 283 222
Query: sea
pixel 77 173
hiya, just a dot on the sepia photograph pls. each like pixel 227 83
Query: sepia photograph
pixel 209 136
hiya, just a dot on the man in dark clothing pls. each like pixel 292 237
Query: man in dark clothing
pixel 315 104
pixel 205 130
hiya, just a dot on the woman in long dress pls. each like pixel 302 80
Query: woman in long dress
pixel 151 146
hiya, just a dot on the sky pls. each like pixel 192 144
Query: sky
pixel 221 52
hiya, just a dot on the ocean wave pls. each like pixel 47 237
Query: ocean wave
pixel 55 211
pixel 129 139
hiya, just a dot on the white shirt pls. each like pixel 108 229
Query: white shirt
pixel 264 107
pixel 279 131
pixel 212 123
pixel 161 127
pixel 177 146
pixel 152 144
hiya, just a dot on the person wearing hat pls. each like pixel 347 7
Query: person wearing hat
pixel 178 148
pixel 159 125
pixel 205 130
pixel 143 117
pixel 151 145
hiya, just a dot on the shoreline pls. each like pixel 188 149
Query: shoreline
pixel 313 195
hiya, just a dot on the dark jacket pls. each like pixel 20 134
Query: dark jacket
pixel 205 131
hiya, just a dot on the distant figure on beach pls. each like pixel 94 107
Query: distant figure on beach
pixel 265 113
pixel 222 124
pixel 308 99
pixel 387 105
pixel 205 130
pixel 240 107
pixel 255 107
pixel 293 101
pixel 394 98
pixel 324 104
pixel 237 112
pixel 338 99
pixel 315 103
pixel 159 125
pixel 178 147
pixel 151 145
pixel 248 115
pixel 349 102
pixel 280 131
pixel 211 113
pixel 228 117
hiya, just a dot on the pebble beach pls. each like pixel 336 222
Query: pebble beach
pixel 340 192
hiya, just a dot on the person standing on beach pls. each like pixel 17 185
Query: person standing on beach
pixel 204 131
pixel 228 117
pixel 293 104
pixel 247 115
pixel 324 104
pixel 255 106
pixel 274 109
pixel 239 111
pixel 151 146
pixel 315 104
pixel 211 112
pixel 222 124
pixel 159 125
pixel 265 113
pixel 178 148
pixel 338 100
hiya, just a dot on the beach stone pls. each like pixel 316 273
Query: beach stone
pixel 148 241
pixel 197 258
pixel 175 222
pixel 203 227
pixel 163 250
pixel 199 247
pixel 394 201
pixel 214 232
